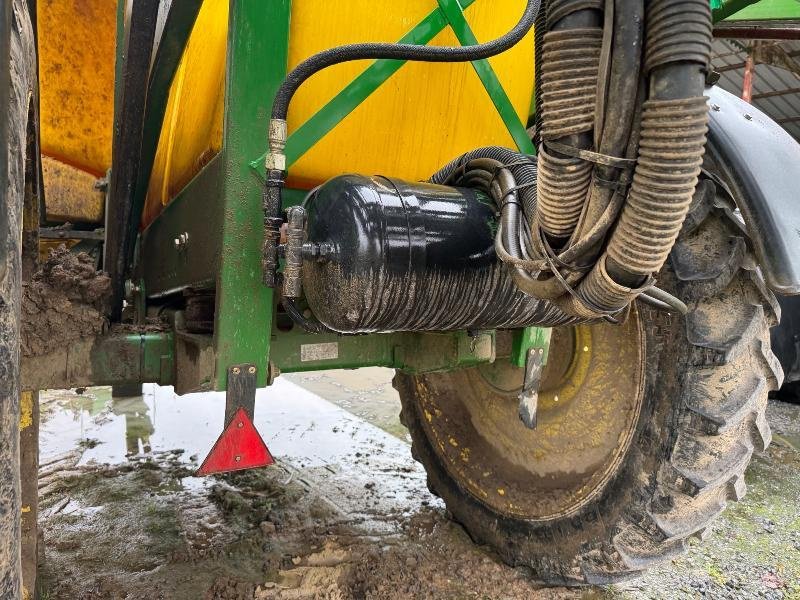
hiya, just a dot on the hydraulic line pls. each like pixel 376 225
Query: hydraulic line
pixel 585 225
pixel 561 192
pixel 623 86
pixel 570 60
pixel 673 136
pixel 276 160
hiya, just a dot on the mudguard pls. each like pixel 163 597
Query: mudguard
pixel 761 163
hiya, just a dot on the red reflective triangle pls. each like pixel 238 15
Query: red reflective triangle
pixel 239 447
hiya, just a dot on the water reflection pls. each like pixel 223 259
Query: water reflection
pixel 325 446
pixel 138 425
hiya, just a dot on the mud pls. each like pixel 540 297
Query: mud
pixel 251 536
pixel 65 300
pixel 343 515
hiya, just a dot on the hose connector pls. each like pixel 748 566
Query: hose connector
pixel 295 236
pixel 278 132
pixel 275 164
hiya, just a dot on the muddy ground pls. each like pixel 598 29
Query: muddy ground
pixel 344 514
pixel 64 301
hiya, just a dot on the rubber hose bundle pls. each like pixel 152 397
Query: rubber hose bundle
pixel 521 167
pixel 570 58
pixel 671 147
pixel 622 127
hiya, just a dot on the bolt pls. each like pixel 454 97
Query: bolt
pixel 748 117
pixel 251 370
pixel 236 370
pixel 181 241
pixel 715 107
pixel 238 458
pixel 240 424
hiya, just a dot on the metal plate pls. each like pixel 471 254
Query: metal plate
pixel 311 352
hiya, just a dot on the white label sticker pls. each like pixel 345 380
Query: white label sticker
pixel 312 352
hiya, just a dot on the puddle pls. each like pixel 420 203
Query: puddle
pixel 311 437
pixel 366 393
pixel 345 513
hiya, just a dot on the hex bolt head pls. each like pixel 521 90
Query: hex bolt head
pixel 237 458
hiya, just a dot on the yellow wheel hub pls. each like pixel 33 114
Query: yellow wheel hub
pixel 589 404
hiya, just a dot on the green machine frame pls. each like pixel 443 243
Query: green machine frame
pixel 210 235
pixel 220 214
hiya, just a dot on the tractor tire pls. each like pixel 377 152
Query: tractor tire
pixel 645 428
pixel 14 136
pixel 786 345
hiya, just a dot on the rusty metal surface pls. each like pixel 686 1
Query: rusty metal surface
pixel 72 194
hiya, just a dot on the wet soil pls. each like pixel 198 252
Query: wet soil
pixel 344 514
pixel 367 393
pixel 65 300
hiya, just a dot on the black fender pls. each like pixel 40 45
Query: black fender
pixel 760 162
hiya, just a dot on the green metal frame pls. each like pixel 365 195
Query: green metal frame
pixel 117 357
pixel 450 12
pixel 220 209
pixel 755 10
pixel 296 351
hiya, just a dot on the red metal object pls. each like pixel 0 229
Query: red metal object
pixel 239 447
pixel 747 86
pixel 758 33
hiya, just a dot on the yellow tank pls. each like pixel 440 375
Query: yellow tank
pixel 76 76
pixel 422 117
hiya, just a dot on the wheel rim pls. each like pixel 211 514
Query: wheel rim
pixel 589 404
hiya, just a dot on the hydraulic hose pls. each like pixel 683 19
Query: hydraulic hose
pixel 622 121
pixel 673 136
pixel 570 63
pixel 377 51
pixel 618 105
pixel 276 160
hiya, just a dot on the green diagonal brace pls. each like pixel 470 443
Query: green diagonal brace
pixel 358 90
pixel 346 101
pixel 455 15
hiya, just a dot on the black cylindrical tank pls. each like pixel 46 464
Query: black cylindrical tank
pixel 388 255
